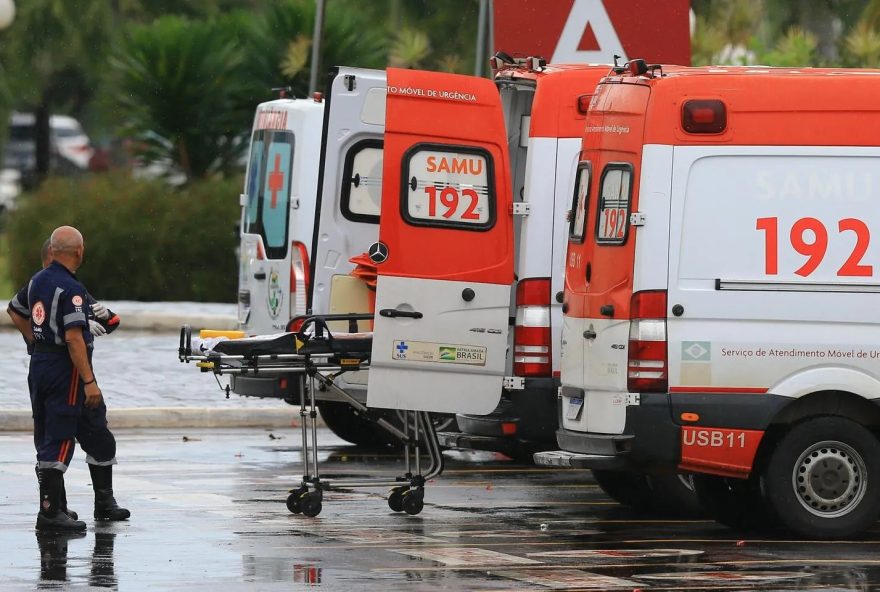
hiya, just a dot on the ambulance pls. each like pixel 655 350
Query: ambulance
pixel 720 291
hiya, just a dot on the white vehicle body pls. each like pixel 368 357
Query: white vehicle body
pixel 725 324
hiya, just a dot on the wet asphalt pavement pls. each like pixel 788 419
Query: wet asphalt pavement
pixel 208 513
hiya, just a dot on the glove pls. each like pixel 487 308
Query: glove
pixel 96 328
pixel 100 311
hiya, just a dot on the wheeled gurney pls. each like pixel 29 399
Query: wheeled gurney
pixel 316 356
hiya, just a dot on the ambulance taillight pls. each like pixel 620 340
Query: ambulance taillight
pixel 532 335
pixel 299 279
pixel 647 364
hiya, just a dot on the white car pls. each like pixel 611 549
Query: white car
pixel 70 144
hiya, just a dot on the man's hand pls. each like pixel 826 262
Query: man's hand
pixel 100 311
pixel 93 395
pixel 96 328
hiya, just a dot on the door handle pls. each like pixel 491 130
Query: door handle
pixel 589 334
pixel 260 275
pixel 393 313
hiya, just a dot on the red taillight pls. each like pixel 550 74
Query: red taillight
pixel 299 279
pixel 261 252
pixel 704 116
pixel 584 103
pixel 647 366
pixel 532 355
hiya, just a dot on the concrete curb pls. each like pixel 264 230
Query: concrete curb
pixel 20 420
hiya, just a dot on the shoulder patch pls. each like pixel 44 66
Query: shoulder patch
pixel 77 300
pixel 38 313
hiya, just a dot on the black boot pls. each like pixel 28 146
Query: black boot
pixel 64 507
pixel 51 517
pixel 106 507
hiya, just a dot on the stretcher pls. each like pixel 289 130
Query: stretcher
pixel 317 356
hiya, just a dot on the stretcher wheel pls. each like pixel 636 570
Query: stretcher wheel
pixel 395 499
pixel 413 501
pixel 293 500
pixel 310 503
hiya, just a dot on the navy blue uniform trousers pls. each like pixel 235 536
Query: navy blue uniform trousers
pixel 60 416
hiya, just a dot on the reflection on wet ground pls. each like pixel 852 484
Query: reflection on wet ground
pixel 209 514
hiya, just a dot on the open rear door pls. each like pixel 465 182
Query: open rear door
pixel 445 251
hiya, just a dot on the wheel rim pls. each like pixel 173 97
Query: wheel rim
pixel 830 479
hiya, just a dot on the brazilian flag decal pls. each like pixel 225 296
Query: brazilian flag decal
pixel 447 354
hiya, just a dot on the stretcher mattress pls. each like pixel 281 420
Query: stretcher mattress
pixel 354 344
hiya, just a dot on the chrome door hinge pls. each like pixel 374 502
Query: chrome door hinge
pixel 633 399
pixel 637 219
pixel 521 208
pixel 514 383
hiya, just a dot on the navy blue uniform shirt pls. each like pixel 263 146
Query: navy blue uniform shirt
pixel 57 302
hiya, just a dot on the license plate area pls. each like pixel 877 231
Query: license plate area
pixel 575 404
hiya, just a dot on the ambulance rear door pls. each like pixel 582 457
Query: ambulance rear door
pixel 350 189
pixel 445 251
pixel 268 206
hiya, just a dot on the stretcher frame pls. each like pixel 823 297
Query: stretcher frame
pixel 320 365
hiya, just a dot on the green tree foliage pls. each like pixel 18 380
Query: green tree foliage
pixel 179 87
pixel 144 241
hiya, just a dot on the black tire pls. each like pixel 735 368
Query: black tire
pixel 413 501
pixel 293 503
pixel 674 495
pixel 395 499
pixel 345 422
pixel 626 488
pixel 310 504
pixel 735 503
pixel 823 478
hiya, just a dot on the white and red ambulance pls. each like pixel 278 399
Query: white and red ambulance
pixel 721 287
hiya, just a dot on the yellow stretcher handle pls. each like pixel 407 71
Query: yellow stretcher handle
pixel 205 365
pixel 210 333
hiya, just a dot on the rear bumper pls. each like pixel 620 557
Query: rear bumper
pixel 652 436
pixel 522 415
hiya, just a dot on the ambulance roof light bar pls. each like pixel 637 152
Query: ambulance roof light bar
pixel 636 67
pixel 284 92
pixel 503 60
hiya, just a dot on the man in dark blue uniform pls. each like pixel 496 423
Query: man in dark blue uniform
pixel 66 401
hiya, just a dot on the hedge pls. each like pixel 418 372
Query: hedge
pixel 143 239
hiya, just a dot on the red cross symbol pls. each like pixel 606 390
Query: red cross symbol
pixel 276 181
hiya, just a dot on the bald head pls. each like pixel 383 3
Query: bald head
pixel 67 248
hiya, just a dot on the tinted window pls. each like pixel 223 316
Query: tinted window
pixel 268 189
pixel 580 202
pixel 612 223
pixel 448 186
pixel 362 182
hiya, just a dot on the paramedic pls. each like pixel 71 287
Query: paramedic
pixel 19 311
pixel 65 397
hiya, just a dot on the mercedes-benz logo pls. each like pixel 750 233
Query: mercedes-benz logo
pixel 378 252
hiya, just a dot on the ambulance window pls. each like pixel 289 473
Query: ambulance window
pixel 362 182
pixel 268 187
pixel 448 186
pixel 612 223
pixel 579 203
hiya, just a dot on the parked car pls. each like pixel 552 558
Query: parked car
pixel 70 146
pixel 10 188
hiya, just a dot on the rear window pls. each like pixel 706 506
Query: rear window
pixel 362 182
pixel 615 191
pixel 580 202
pixel 448 186
pixel 268 189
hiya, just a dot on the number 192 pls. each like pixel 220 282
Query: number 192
pixel 809 237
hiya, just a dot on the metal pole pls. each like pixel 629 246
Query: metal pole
pixel 317 35
pixel 481 39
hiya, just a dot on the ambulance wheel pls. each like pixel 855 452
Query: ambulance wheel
pixel 625 487
pixel 293 500
pixel 310 504
pixel 823 478
pixel 413 501
pixel 674 495
pixel 348 424
pixel 395 498
pixel 735 503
